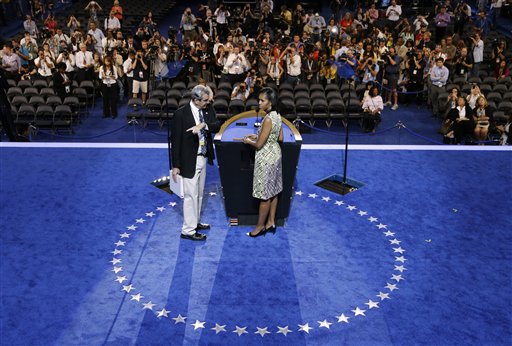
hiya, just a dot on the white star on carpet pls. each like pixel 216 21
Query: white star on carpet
pixel 372 219
pixel 141 220
pixel 116 252
pixel 391 287
pixel 283 330
pixel 137 297
pixel 400 259
pixel 397 278
pixel 172 204
pixel 312 195
pixel 115 261
pixel 342 318
pixel 400 268
pixel 160 209
pixel 120 243
pixel 131 228
pixel 339 203
pixel 240 330
pixel 149 305
pixel 327 199
pixel 398 249
pixel 198 324
pixel 359 312
pixel 324 324
pixel 351 207
pixel 381 226
pixel 383 296
pixel 125 235
pixel 304 328
pixel 179 319
pixel 395 241
pixel 362 213
pixel 117 269
pixel 371 304
pixel 163 313
pixel 121 279
pixel 218 328
pixel 128 288
pixel 150 214
pixel 299 193
pixel 388 234
pixel 213 193
pixel 262 331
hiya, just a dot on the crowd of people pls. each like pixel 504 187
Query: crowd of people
pixel 255 46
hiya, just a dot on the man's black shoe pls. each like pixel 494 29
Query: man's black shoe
pixel 195 236
pixel 202 226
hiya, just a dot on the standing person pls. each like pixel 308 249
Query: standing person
pixel 61 81
pixel 478 53
pixel 140 71
pixel 438 78
pixel 268 173
pixel 191 149
pixel 108 77
pixel 442 20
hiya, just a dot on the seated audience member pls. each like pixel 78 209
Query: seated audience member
pixel 461 120
pixel 451 100
pixel 482 118
pixel 473 96
pixel 504 130
pixel 372 107
pixel 501 70
pixel 44 66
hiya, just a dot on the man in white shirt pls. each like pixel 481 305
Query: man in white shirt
pixel 293 66
pixel 44 66
pixel 478 53
pixel 60 36
pixel 69 59
pixel 84 62
pixel 393 14
pixel 237 65
pixel 112 23
pixel 128 70
pixel 98 35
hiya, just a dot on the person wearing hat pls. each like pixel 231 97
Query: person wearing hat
pixel 317 23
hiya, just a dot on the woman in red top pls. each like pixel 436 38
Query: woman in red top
pixel 118 10
pixel 502 70
pixel 51 23
pixel 346 21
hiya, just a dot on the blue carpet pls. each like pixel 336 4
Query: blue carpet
pixel 430 230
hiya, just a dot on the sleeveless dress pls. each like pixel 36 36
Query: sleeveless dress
pixel 268 176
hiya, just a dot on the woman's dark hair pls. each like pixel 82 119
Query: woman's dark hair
pixel 372 90
pixel 271 95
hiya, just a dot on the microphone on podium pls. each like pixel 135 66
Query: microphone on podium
pixel 257 123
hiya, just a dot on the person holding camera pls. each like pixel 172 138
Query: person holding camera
pixel 188 25
pixel 68 58
pixel 371 70
pixel 236 65
pixel 391 74
pixel 140 67
pixel 478 53
pixel 415 66
pixel 275 70
pixel 44 66
pixel 372 107
pixel 293 65
pixel 463 63
pixel 240 92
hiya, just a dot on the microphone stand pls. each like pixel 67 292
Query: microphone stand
pixel 257 123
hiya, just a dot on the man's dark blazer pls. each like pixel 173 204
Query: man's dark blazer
pixel 185 145
pixel 58 85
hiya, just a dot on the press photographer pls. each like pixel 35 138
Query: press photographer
pixel 391 74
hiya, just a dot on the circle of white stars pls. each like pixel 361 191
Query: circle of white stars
pixel 344 317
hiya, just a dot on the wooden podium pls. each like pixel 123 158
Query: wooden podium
pixel 236 165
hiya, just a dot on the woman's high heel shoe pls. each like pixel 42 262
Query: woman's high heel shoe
pixel 260 233
pixel 272 229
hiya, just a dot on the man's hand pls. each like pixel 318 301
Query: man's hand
pixel 196 129
pixel 175 172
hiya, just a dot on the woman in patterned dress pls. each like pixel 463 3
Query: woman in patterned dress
pixel 268 177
